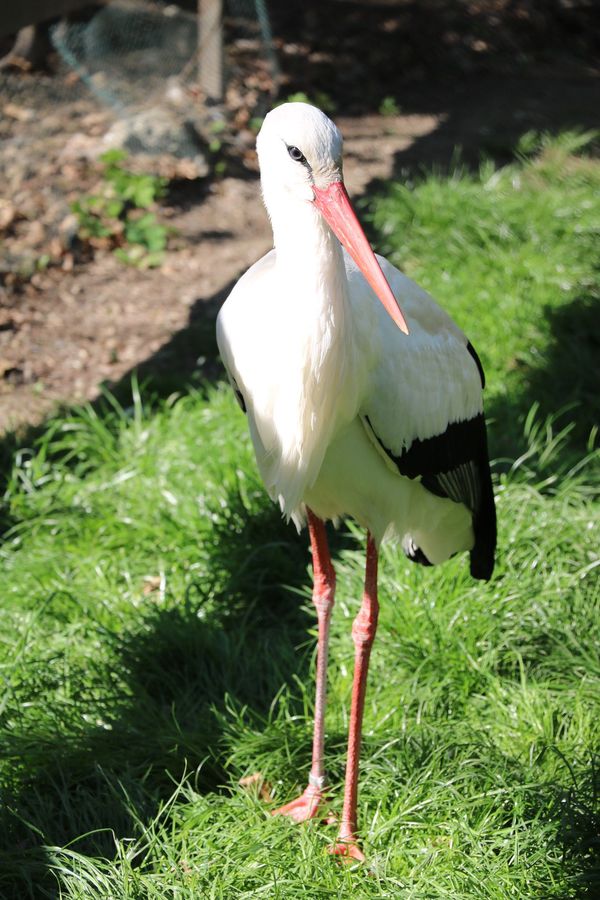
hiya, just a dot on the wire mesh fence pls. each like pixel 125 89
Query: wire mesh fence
pixel 129 50
pixel 143 59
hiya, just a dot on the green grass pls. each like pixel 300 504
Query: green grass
pixel 157 633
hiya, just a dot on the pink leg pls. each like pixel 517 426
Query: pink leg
pixel 363 634
pixel 308 804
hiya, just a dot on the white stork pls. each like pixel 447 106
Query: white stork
pixel 355 407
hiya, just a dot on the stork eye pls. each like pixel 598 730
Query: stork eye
pixel 297 154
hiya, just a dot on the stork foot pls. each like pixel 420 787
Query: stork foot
pixel 309 805
pixel 348 851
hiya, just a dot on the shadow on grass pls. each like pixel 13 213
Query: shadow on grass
pixel 578 816
pixel 565 381
pixel 232 643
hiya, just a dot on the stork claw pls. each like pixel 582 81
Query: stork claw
pixel 309 805
pixel 348 851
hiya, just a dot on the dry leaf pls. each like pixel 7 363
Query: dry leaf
pixel 20 113
pixel 8 214
pixel 152 583
pixel 263 788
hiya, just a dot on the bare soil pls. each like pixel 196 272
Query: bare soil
pixel 71 320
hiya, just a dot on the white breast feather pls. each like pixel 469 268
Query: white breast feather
pixel 296 366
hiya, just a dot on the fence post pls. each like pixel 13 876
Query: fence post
pixel 210 48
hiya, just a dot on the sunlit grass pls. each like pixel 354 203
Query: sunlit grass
pixel 157 634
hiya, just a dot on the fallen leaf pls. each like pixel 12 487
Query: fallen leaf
pixel 257 780
pixel 8 214
pixel 20 113
pixel 151 583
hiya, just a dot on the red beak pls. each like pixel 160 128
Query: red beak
pixel 334 205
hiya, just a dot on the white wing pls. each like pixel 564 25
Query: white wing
pixel 423 381
pixel 424 408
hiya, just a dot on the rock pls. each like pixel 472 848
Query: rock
pixel 8 214
pixel 35 234
pixel 68 230
pixel 81 146
pixel 160 131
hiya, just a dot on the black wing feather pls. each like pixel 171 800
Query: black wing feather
pixel 455 464
pixel 236 391
pixel 239 397
pixel 475 356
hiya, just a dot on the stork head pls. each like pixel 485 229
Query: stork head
pixel 298 148
pixel 300 155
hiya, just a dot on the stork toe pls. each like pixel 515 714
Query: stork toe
pixel 348 851
pixel 311 804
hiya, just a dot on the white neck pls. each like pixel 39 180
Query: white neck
pixel 305 243
pixel 310 268
pixel 316 343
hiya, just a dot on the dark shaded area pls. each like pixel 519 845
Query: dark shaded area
pixel 487 115
pixel 229 642
pixel 357 53
pixel 565 381
pixel 577 812
pixel 190 357
pixel 490 70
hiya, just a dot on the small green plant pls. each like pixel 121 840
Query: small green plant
pixel 118 215
pixel 255 123
pixel 217 126
pixel 215 147
pixel 388 107
pixel 319 98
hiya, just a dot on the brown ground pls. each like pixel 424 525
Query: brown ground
pixel 83 321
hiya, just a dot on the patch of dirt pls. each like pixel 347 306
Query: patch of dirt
pixel 62 334
pixel 70 321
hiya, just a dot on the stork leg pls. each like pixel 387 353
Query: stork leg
pixel 307 805
pixel 363 634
